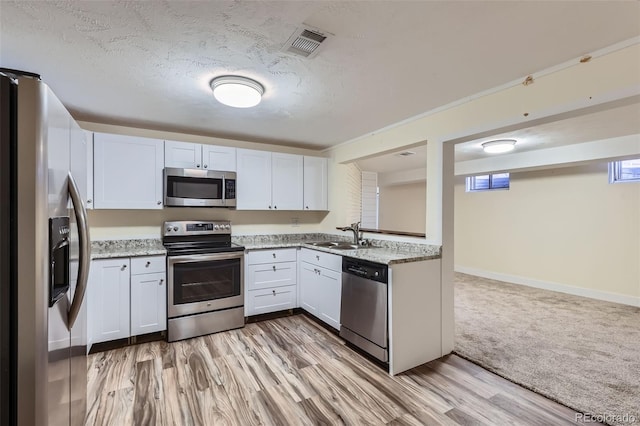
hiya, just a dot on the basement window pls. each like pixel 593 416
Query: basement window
pixel 624 171
pixel 488 182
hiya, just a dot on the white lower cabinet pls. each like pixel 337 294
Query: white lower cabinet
pixel 271 300
pixel 127 297
pixel 271 283
pixel 148 303
pixel 331 295
pixel 309 288
pixel 109 299
pixel 320 286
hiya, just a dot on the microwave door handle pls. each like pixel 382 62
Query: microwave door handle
pixel 85 250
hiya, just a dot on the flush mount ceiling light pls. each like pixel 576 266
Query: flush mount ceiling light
pixel 236 91
pixel 499 146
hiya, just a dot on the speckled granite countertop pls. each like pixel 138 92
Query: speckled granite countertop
pixel 106 249
pixel 383 251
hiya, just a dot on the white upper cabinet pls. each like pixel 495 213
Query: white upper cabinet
pixel 182 155
pixel 222 158
pixel 315 183
pixel 286 181
pixel 127 172
pixel 269 181
pixel 186 155
pixel 81 163
pixel 253 183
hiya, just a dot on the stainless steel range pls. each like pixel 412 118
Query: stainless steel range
pixel 206 279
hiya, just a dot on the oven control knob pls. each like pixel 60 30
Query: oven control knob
pixel 168 229
pixel 227 227
pixel 216 227
pixel 175 228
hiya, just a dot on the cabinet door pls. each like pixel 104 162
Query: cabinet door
pixel 148 303
pixel 221 158
pixel 127 172
pixel 183 155
pixel 109 307
pixel 309 288
pixel 287 181
pixel 330 289
pixel 89 162
pixel 253 184
pixel 270 300
pixel 268 276
pixel 315 183
pixel 81 168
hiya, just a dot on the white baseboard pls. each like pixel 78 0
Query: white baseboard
pixel 547 285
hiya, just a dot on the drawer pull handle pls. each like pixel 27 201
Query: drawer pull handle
pixel 274 255
pixel 147 265
pixel 161 281
pixel 124 267
pixel 317 257
pixel 274 267
pixel 274 292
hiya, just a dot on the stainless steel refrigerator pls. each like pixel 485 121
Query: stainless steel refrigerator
pixel 44 257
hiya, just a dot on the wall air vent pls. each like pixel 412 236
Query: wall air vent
pixel 305 41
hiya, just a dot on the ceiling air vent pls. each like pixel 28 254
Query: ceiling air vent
pixel 305 41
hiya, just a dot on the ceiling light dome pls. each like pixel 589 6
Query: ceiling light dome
pixel 236 91
pixel 499 146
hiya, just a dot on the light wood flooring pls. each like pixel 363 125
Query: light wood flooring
pixel 291 371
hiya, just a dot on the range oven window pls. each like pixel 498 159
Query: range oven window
pixel 206 280
pixel 195 188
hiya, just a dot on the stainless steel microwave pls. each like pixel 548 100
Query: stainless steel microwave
pixel 199 188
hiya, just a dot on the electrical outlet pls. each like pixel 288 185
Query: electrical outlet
pixel 295 221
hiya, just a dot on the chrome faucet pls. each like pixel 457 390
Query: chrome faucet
pixel 355 228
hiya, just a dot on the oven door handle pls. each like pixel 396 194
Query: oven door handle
pixel 204 257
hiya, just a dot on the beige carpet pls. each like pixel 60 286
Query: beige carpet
pixel 580 352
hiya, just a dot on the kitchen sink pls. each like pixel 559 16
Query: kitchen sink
pixel 346 246
pixel 325 244
pixel 339 245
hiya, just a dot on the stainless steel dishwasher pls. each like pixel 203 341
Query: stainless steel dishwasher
pixel 363 311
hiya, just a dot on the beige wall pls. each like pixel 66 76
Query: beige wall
pixel 565 226
pixel 125 224
pixel 403 207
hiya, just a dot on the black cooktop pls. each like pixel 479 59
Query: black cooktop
pixel 190 247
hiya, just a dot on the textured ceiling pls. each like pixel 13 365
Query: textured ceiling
pixel 148 63
pixel 610 123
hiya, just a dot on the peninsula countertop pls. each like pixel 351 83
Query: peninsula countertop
pixel 382 251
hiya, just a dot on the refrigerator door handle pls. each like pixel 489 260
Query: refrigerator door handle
pixel 85 250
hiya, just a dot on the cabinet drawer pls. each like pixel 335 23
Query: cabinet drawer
pixel 269 275
pixel 271 300
pixel 320 258
pixel 271 256
pixel 148 264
